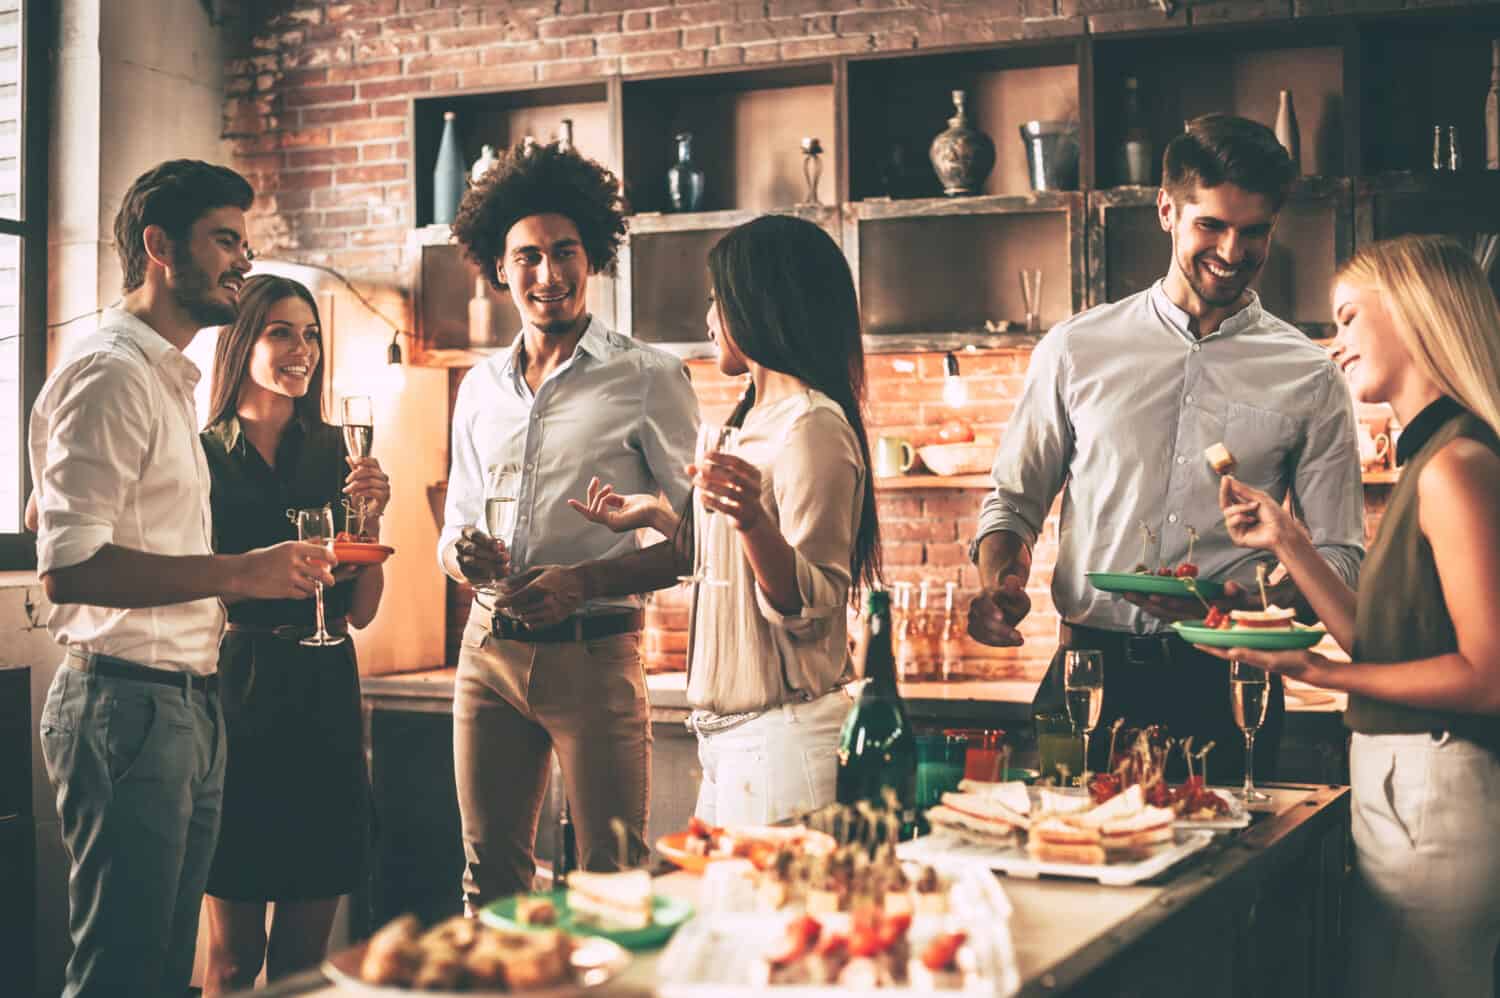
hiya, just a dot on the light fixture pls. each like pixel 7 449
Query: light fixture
pixel 393 352
pixel 955 393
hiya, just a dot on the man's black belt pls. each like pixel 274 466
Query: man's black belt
pixel 120 668
pixel 575 628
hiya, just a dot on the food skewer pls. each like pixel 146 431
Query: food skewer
pixel 1260 580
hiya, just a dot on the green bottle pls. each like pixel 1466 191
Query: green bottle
pixel 877 747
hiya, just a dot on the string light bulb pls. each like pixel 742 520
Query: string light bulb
pixel 955 392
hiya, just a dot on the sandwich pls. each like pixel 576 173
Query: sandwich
pixel 1219 459
pixel 1271 618
pixel 614 902
pixel 1053 803
pixel 1055 840
pixel 1137 836
pixel 1121 805
pixel 977 818
pixel 1012 794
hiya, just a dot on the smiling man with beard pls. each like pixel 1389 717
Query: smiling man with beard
pixel 546 664
pixel 1120 404
pixel 132 731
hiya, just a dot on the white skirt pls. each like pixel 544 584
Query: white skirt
pixel 1426 917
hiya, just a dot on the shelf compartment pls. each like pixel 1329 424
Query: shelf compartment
pixel 948 265
pixel 922 481
pixel 501 118
pixel 747 128
pixel 904 102
pixel 1234 70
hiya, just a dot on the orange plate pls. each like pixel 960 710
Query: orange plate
pixel 674 848
pixel 349 553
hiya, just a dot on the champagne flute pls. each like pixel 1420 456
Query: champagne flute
pixel 359 437
pixel 1083 691
pixel 713 438
pixel 316 526
pixel 502 504
pixel 1249 696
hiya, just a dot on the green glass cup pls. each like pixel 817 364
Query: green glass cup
pixel 940 765
pixel 1058 746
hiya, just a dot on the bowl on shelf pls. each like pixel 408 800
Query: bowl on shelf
pixel 972 458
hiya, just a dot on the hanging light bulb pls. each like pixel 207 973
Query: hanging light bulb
pixel 955 392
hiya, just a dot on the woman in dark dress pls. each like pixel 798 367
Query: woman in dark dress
pixel 296 818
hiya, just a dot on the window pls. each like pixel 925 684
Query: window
pixel 23 257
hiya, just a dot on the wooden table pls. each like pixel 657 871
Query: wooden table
pixel 1260 912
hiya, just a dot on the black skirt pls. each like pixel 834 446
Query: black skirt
pixel 297 816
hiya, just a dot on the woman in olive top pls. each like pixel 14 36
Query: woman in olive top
pixel 295 823
pixel 796 531
pixel 1418 327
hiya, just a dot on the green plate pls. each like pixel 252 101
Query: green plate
pixel 1152 585
pixel 667 913
pixel 1194 632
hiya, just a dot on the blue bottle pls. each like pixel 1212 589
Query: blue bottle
pixel 448 176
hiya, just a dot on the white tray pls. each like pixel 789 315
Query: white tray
pixel 1237 817
pixel 714 954
pixel 1017 862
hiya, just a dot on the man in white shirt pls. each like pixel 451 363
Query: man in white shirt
pixel 132 732
pixel 553 667
pixel 1119 405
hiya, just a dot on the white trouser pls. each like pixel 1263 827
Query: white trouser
pixel 1426 917
pixel 781 764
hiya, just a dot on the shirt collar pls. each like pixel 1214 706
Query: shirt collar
pixel 1414 435
pixel 593 343
pixel 1246 318
pixel 158 351
pixel 232 435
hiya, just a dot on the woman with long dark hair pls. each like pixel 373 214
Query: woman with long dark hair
pixel 797 529
pixel 295 820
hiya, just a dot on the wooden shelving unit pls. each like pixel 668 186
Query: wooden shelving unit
pixel 929 482
pixel 1384 476
pixel 1368 89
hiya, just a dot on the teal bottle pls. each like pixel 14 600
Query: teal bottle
pixel 448 176
pixel 877 747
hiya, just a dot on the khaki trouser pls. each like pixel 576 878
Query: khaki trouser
pixel 514 704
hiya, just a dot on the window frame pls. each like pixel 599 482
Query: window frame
pixel 18 550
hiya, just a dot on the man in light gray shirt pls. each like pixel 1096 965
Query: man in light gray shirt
pixel 1119 405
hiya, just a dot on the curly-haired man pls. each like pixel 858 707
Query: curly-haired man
pixel 552 663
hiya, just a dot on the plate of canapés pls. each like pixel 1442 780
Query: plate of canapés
pixel 462 956
pixel 1274 628
pixel 703 843
pixel 360 549
pixel 618 906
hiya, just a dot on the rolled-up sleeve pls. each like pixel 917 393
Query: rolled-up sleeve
pixel 1328 491
pixel 669 426
pixel 1032 462
pixel 461 508
pixel 818 480
pixel 88 439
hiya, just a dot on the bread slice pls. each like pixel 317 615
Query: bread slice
pixel 973 829
pixel 1052 802
pixel 612 901
pixel 1219 459
pixel 1049 852
pixel 1061 831
pixel 1012 794
pixel 1272 617
pixel 1122 805
pixel 985 809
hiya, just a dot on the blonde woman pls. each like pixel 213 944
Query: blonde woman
pixel 1418 327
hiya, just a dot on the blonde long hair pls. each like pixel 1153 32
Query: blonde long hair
pixel 1444 311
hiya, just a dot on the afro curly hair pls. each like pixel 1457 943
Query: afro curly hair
pixel 541 180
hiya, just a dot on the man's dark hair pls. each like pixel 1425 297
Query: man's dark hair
pixel 541 180
pixel 173 195
pixel 1222 148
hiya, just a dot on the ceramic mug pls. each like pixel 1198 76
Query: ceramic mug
pixel 1374 448
pixel 893 457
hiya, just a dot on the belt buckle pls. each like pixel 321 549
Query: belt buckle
pixel 505 628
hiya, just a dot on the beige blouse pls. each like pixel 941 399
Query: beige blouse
pixel 744 656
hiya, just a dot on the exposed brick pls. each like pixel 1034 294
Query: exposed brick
pixel 867 22
pixel 377 152
pixel 438 20
pixel 345 197
pixel 810 48
pixel 1055 27
pixel 693 15
pixel 796 8
pixel 580 48
pixel 358 71
pixel 391 236
pixel 646 41
pixel 589 24
pixel 388 109
pixel 1233 11
pixel 328 156
pixel 390 88
pixel 509 55
pixel 370 174
pixel 697 38
pixel 1103 24
pixel 303 137
pixel 318 95
pixel 334 115
pixel 369 131
pixel 390 47
pixel 421 64
pixel 490 76
pixel 655 62
pixel 761 30
pixel 592 69
pixel 297 78
pixel 636 20
pixel 764 52
pixel 292 180
pixel 345 219
pixel 323 55
pixel 726 55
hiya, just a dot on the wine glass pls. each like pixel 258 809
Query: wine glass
pixel 316 526
pixel 502 504
pixel 359 437
pixel 1249 696
pixel 1083 690
pixel 713 438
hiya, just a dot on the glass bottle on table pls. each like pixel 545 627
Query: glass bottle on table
pixel 1249 696
pixel 877 747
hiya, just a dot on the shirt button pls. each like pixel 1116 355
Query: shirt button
pixel 1188 399
pixel 1197 347
pixel 1181 459
pixel 1171 517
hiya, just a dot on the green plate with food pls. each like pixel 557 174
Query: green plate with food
pixel 1260 638
pixel 1150 584
pixel 611 914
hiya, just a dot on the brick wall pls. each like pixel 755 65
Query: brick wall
pixel 316 113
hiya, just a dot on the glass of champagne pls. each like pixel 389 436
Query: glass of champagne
pixel 316 527
pixel 1083 690
pixel 1249 696
pixel 359 437
pixel 502 503
pixel 713 438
